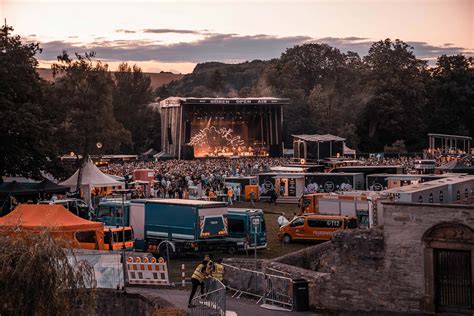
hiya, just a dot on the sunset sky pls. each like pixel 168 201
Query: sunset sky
pixel 175 35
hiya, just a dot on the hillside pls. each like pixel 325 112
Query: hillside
pixel 214 79
pixel 157 79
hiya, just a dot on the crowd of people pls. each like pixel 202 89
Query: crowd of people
pixel 174 178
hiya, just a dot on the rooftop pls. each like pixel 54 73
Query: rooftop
pixel 178 101
pixel 319 138
pixel 430 184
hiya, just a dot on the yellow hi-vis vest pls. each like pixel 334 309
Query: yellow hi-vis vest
pixel 197 274
pixel 218 272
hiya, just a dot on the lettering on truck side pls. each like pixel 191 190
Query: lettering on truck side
pixel 322 233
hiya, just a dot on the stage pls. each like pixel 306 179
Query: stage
pixel 222 127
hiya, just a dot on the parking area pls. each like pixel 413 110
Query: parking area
pixel 275 247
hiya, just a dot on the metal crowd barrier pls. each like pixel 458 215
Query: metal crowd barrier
pixel 213 302
pixel 270 288
pixel 108 268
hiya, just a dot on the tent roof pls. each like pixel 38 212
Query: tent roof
pixel 319 138
pixel 349 151
pixel 91 175
pixel 48 186
pixel 53 217
pixel 16 188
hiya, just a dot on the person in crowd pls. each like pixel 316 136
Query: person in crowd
pixel 230 195
pixel 252 198
pixel 197 280
pixel 273 196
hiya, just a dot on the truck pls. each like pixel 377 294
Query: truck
pixel 186 225
pixel 242 229
pixel 110 212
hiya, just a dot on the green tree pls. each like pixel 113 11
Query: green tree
pixel 394 109
pixel 25 143
pixel 451 96
pixel 37 279
pixel 132 95
pixel 83 91
pixel 323 85
pixel 216 82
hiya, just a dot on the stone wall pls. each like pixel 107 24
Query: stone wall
pixel 378 270
pixel 112 303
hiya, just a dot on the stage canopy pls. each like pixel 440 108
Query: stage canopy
pixel 54 218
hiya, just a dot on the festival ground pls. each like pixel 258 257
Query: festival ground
pixel 275 247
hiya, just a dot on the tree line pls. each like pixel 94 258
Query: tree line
pixel 85 110
pixel 387 97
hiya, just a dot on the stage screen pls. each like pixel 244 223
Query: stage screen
pixel 220 137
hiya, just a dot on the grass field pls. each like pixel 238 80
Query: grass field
pixel 275 247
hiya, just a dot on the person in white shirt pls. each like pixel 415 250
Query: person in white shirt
pixel 282 220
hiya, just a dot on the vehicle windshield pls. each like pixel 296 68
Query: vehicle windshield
pixel 118 235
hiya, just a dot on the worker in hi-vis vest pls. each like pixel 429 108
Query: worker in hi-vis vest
pixel 197 279
pixel 218 270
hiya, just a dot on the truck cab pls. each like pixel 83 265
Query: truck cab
pixel 111 212
pixel 242 228
pixel 118 238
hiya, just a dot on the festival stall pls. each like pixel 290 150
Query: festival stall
pixel 92 178
pixel 56 219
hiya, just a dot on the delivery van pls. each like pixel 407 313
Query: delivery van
pixel 315 227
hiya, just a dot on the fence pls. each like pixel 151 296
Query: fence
pixel 213 302
pixel 108 268
pixel 270 288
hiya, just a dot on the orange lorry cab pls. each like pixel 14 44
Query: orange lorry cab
pixel 315 227
pixel 117 238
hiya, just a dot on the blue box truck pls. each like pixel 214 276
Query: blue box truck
pixel 190 225
pixel 242 229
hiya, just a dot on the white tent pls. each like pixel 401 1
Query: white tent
pixel 348 151
pixel 92 177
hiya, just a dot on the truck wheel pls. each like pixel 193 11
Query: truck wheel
pixel 231 250
pixel 287 239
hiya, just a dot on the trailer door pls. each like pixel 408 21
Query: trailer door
pixel 137 220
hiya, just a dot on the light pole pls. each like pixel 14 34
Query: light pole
pixel 123 192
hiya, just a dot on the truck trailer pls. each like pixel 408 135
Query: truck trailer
pixel 188 225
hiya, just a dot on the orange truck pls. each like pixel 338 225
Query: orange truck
pixel 118 238
pixel 315 227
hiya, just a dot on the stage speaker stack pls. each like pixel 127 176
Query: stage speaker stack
pixel 170 137
pixel 187 152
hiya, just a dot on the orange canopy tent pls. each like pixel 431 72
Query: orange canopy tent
pixel 59 221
